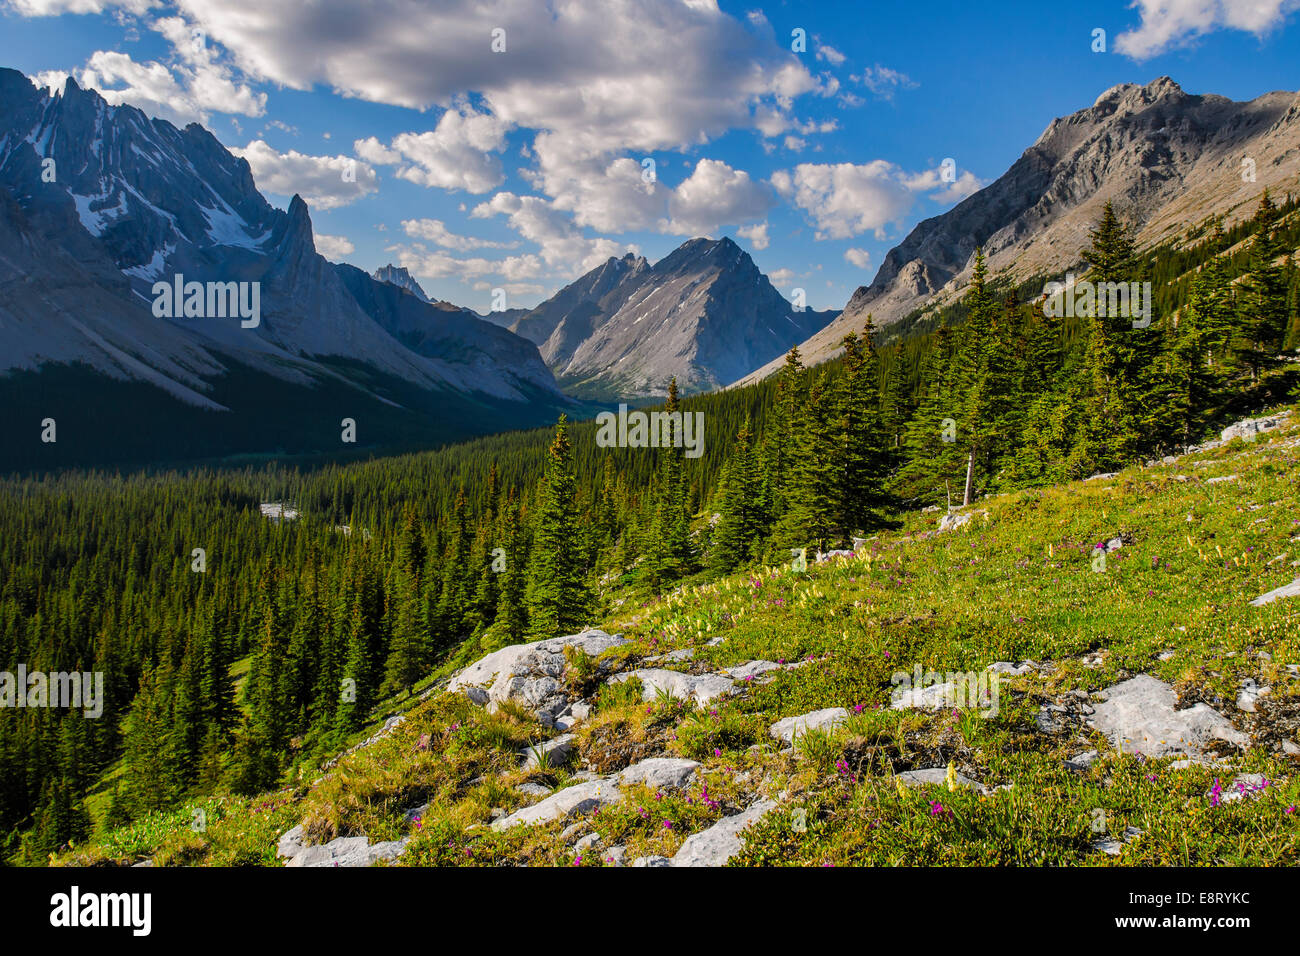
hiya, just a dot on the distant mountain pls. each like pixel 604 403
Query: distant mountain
pixel 563 322
pixel 704 314
pixel 1166 158
pixel 398 276
pixel 99 203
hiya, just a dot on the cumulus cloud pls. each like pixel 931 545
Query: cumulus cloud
pixel 857 257
pixel 562 245
pixel 334 248
pixel 440 265
pixel 844 200
pixel 326 182
pixel 436 231
pixel 616 195
pixel 1167 24
pixel 716 195
pixel 781 277
pixel 931 181
pixel 458 153
pixel 757 235
pixel 602 85
pixel 54 8
pixel 195 83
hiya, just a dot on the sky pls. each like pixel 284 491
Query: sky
pixel 516 144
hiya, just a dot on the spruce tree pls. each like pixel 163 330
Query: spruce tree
pixel 558 598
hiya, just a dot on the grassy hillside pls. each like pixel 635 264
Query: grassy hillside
pixel 1016 582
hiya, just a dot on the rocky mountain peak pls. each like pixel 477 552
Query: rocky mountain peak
pixel 402 278
pixel 1164 157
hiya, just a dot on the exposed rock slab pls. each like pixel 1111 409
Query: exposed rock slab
pixel 347 851
pixel 792 727
pixel 1139 715
pixel 529 674
pixel 720 842
pixel 660 773
pixel 569 802
pixel 1285 591
pixel 699 688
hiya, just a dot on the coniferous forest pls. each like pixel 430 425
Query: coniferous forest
pixel 238 647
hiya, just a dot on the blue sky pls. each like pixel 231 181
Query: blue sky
pixel 520 168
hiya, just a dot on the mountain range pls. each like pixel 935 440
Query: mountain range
pixel 1166 158
pixel 703 314
pixel 100 203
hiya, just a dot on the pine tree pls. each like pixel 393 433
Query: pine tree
pixel 1108 399
pixel 668 545
pixel 1262 303
pixel 511 613
pixel 858 482
pixel 149 760
pixel 738 527
pixel 558 598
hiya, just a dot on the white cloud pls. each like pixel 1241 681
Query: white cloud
pixel 831 55
pixel 607 195
pixel 513 288
pixel 781 277
pixel 1171 23
pixel 440 265
pixel 757 235
pixel 437 232
pixel 195 83
pixel 334 248
pixel 846 200
pixel 883 81
pixel 931 181
pixel 857 257
pixel 458 153
pixel 53 79
pixel 54 8
pixel 326 182
pixel 715 195
pixel 562 245
pixel 602 85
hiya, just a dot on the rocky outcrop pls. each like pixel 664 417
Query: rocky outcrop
pixel 1140 715
pixel 530 674
pixel 343 851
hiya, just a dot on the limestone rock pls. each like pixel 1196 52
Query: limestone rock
pixel 566 803
pixel 348 851
pixel 937 776
pixel 1138 715
pixel 554 753
pixel 699 688
pixel 660 773
pixel 529 674
pixel 1285 591
pixel 792 727
pixel 720 842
